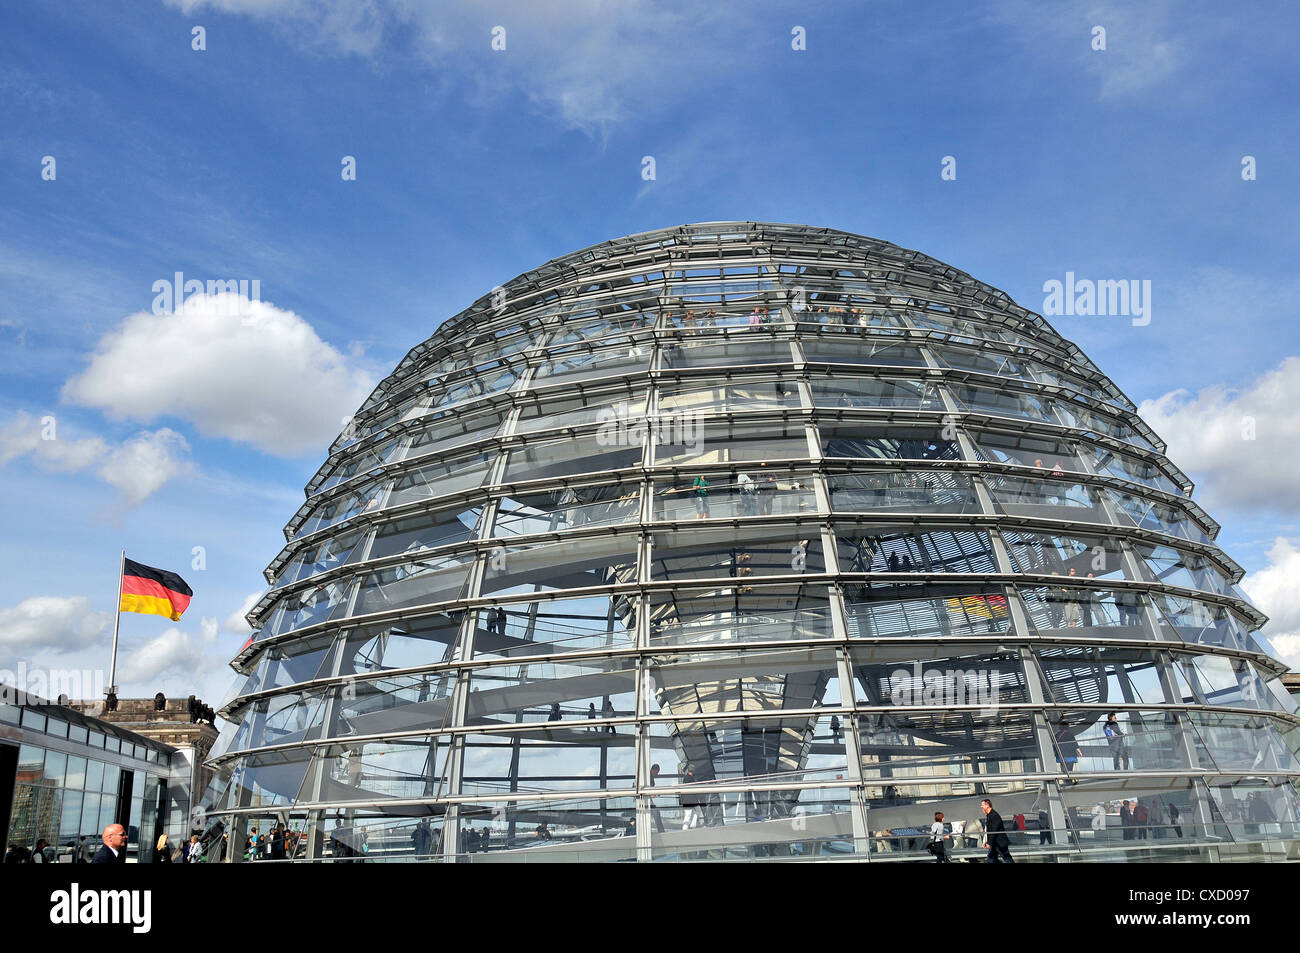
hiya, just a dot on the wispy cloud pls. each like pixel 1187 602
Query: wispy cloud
pixel 591 67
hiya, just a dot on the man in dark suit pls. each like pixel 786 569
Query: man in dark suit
pixel 995 832
pixel 114 849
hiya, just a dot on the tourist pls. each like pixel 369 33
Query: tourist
pixel 422 838
pixel 1068 748
pixel 113 850
pixel 279 837
pixel 937 838
pixel 766 490
pixel 700 485
pixel 161 853
pixel 1115 741
pixel 748 495
pixel 995 832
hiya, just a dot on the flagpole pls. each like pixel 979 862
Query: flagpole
pixel 117 619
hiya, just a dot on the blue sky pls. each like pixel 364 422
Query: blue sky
pixel 474 165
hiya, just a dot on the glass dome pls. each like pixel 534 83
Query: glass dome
pixel 742 540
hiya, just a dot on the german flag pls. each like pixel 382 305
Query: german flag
pixel 982 607
pixel 153 591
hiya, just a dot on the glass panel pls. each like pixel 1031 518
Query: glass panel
pixel 308 607
pixel 56 766
pixel 887 443
pixel 112 778
pixel 564 564
pixel 341 506
pixel 1046 499
pixel 704 824
pixel 445 431
pixel 392 703
pixel 866 491
pixel 1154 515
pixel 946 744
pixel 1201 623
pixel 720 753
pixel 750 491
pixel 728 396
pixel 410 643
pixel 1177 568
pixel 70 821
pixel 579 410
pixel 537 691
pixel 872 392
pixel 867 350
pixel 734 351
pixel 1071 557
pixel 321 557
pixel 90 815
pixel 876 611
pixel 903 549
pixel 76 772
pixel 555 626
pixel 289 663
pixel 522 514
pixel 270 778
pixel 720 442
pixel 763 614
pixel 566 756
pixel 415 534
pixel 376 770
pixel 1065 607
pixel 415 583
pixel 590 453
pixel 545 831
pixel 1043 453
pixel 1129 468
pixel 740 553
pixel 434 480
pixel 1101 675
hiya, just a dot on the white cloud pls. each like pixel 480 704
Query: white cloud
pixel 235 622
pixel 51 624
pixel 239 369
pixel 173 651
pixel 1275 589
pixel 145 462
pixel 1210 438
pixel 137 468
